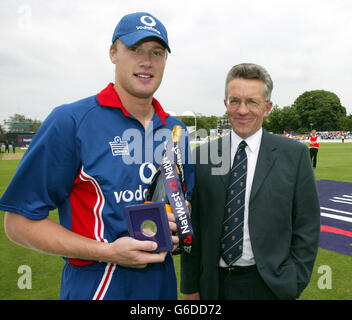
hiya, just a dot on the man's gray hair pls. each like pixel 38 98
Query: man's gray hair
pixel 251 71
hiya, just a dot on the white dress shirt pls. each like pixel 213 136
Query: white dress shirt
pixel 252 150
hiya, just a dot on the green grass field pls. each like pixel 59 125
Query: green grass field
pixel 334 163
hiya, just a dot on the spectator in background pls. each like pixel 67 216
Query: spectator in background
pixel 7 147
pixel 314 147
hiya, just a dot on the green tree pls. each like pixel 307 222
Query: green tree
pixel 320 109
pixel 207 123
pixel 35 125
pixel 345 123
pixel 188 121
pixel 203 122
pixel 279 120
pixel 18 118
pixel 19 122
pixel 289 119
pixel 272 122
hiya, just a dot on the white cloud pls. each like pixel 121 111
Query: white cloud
pixel 54 52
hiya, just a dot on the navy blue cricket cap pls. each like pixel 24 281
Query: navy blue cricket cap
pixel 135 27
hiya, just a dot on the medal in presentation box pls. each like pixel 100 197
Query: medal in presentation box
pixel 148 221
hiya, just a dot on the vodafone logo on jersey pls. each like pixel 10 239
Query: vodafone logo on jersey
pixel 146 173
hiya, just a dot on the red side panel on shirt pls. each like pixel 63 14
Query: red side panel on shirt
pixel 109 98
pixel 86 205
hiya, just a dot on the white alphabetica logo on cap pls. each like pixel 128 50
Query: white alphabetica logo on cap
pixel 145 20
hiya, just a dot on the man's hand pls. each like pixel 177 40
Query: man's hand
pixel 47 236
pixel 129 252
pixel 189 206
pixel 191 296
pixel 173 229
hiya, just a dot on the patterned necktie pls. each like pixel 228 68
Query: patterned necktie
pixel 232 232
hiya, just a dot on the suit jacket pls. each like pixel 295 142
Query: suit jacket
pixel 284 216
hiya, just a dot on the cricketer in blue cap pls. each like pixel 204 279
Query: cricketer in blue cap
pixel 135 27
pixel 111 145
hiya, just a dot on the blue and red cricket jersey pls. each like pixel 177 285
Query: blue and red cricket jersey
pixel 90 159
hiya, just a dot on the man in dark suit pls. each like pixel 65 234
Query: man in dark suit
pixel 280 228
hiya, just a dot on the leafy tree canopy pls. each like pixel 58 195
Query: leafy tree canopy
pixel 320 108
